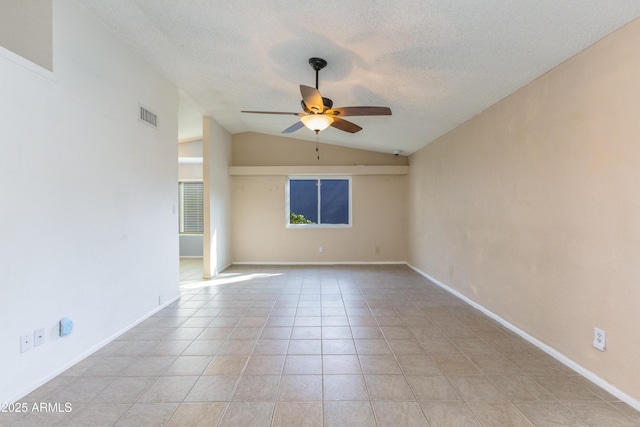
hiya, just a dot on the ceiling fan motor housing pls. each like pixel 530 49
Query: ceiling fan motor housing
pixel 317 63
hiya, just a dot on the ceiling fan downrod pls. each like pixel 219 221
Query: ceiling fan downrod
pixel 317 64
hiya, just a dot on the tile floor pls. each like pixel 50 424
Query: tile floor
pixel 321 346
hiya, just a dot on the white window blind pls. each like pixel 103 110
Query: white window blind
pixel 191 212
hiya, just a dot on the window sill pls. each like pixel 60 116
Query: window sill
pixel 316 226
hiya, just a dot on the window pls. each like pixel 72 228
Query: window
pixel 318 202
pixel 191 208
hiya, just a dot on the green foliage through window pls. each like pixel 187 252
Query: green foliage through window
pixel 298 219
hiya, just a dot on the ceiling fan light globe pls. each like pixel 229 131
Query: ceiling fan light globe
pixel 317 122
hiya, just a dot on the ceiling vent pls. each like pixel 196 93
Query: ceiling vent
pixel 148 117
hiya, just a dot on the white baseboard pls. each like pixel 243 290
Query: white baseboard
pixel 542 346
pixel 322 263
pixel 89 352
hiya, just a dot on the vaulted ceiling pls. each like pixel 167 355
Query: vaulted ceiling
pixel 435 63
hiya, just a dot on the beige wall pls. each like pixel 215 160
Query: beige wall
pixel 535 206
pixel 258 203
pixel 256 149
pixel 26 29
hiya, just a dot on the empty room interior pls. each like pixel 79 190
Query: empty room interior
pixel 304 214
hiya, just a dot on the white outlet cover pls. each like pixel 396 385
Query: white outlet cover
pixel 599 339
pixel 26 342
pixel 38 337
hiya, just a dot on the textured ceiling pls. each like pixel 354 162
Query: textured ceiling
pixel 435 63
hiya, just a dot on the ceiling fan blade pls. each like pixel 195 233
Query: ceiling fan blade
pixel 345 125
pixel 272 112
pixel 361 111
pixel 294 127
pixel 312 99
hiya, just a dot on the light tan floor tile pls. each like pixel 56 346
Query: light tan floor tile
pixel 203 348
pixel 545 414
pixel 96 414
pixel 418 364
pixel 372 346
pixel 303 364
pixel 338 347
pixel 257 388
pixel 230 354
pixel 306 333
pixel 198 414
pixel 348 414
pixel 389 388
pixel 298 414
pixel 341 364
pixel 109 366
pixel 344 387
pixel 276 333
pixel 147 414
pixel 494 365
pixel 521 388
pixel 188 365
pixel 265 365
pixel 240 347
pixel 212 389
pixel 248 414
pixel 477 388
pixel 600 414
pixel 305 347
pixel 394 414
pixel 336 332
pixel 366 332
pixel 124 389
pixel 83 389
pixel 566 388
pixel 379 364
pixel 215 333
pixel 300 388
pixel 271 346
pixel 499 414
pixel 449 414
pixel 334 321
pixel 168 389
pixel 432 387
pixel 149 366
pixel 245 334
pixel 455 364
pixel 226 365
pixel 629 411
pixel 307 321
pixel 438 346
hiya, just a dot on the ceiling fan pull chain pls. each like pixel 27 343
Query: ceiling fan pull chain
pixel 317 146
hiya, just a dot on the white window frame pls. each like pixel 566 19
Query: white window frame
pixel 287 203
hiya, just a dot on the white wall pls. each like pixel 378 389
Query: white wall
pixel 87 198
pixel 190 169
pixel 216 148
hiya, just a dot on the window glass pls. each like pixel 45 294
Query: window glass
pixel 319 201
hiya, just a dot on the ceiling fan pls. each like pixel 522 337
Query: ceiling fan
pixel 319 112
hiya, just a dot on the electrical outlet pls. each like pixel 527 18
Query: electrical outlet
pixel 38 337
pixel 377 249
pixel 26 342
pixel 599 339
pixel 320 249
